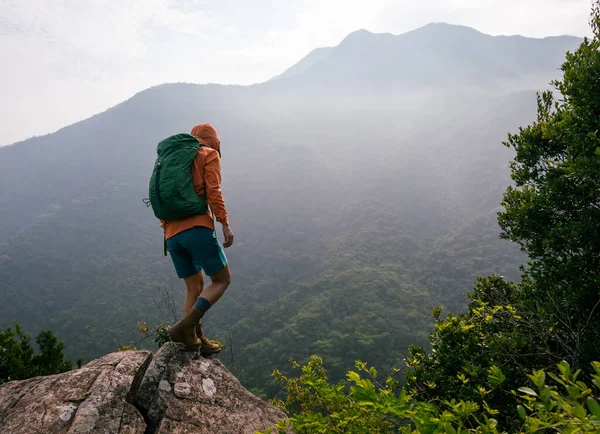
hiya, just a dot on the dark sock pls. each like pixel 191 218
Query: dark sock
pixel 202 304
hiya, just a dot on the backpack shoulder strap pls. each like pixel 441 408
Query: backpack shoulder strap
pixel 209 207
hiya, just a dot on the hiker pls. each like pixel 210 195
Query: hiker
pixel 194 247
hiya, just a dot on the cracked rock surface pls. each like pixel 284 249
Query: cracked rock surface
pixel 98 398
pixel 184 393
pixel 131 392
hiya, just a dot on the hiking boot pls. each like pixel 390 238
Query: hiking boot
pixel 207 346
pixel 185 330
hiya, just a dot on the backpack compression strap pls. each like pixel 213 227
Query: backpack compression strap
pixel 157 181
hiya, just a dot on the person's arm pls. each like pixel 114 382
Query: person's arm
pixel 214 195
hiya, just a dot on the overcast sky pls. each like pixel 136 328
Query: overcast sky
pixel 65 60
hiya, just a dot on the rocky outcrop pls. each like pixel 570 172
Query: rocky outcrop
pixel 182 393
pixel 132 392
pixel 96 398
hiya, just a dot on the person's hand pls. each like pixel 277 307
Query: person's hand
pixel 228 234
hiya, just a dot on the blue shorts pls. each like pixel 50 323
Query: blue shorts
pixel 196 249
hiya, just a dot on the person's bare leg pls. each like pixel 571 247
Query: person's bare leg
pixel 201 283
pixel 220 282
pixel 210 295
pixel 184 331
pixel 193 288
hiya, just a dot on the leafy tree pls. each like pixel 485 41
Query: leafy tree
pixel 50 358
pixel 553 211
pixel 16 354
pixel 480 355
pixel 485 353
pixel 17 359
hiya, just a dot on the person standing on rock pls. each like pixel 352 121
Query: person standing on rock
pixel 192 241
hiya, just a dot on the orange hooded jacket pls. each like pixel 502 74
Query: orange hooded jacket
pixel 206 178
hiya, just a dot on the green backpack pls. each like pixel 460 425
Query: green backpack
pixel 172 193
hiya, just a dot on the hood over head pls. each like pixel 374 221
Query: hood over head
pixel 207 134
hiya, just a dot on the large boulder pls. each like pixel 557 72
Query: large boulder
pixel 184 393
pixel 131 392
pixel 98 398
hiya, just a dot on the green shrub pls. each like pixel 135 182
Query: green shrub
pixel 364 405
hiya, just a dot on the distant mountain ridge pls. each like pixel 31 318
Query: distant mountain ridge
pixel 437 54
pixel 316 56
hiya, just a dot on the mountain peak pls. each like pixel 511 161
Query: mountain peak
pixel 363 36
pixel 445 30
pixel 448 27
pixel 357 34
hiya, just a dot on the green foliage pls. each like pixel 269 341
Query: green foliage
pixel 50 358
pixel 553 211
pixel 484 353
pixel 16 354
pixel 364 405
pixel 570 407
pixel 477 356
pixel 17 359
pixel 161 335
